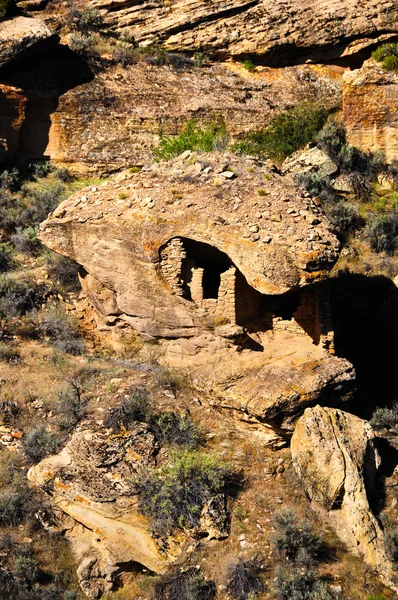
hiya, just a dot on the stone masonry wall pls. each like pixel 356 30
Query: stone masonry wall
pixel 312 318
pixel 172 257
pixel 226 296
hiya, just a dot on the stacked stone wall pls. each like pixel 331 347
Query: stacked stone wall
pixel 172 257
pixel 226 304
pixel 312 318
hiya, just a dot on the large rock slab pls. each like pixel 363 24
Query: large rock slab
pixel 335 456
pixel 21 36
pixel 280 31
pixel 94 500
pixel 278 239
pixel 370 100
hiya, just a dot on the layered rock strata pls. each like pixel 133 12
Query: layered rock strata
pixel 282 31
pixel 20 37
pixel 370 100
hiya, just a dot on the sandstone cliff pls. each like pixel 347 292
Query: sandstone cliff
pixel 370 100
pixel 279 32
pixel 21 37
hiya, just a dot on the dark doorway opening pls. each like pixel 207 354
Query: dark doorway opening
pixel 211 282
pixel 213 262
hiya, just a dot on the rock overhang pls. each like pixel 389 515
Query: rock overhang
pixel 275 234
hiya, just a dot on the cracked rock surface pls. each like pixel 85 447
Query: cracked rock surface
pixel 335 456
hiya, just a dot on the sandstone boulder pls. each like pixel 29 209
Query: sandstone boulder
pixel 283 31
pixel 335 456
pixel 370 99
pixel 227 272
pixel 311 160
pixel 20 37
pixel 92 493
pixel 90 481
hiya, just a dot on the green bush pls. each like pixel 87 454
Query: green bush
pixel 188 584
pixel 193 137
pixel 175 495
pixel 168 427
pixel 10 179
pixel 390 63
pixel 16 503
pixel 80 43
pixel 6 260
pixel 64 175
pixel 25 240
pixel 288 131
pixel 333 140
pixel 346 217
pixel 19 295
pixel 27 569
pixel 318 185
pixel 38 443
pixel 294 540
pixel 382 233
pixel 385 418
pixel 63 331
pixel 388 56
pixel 71 405
pixel 175 430
pixel 243 579
pixel 64 271
pixel 136 407
pixel 297 584
pixel 249 65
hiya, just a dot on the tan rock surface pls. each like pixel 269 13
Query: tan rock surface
pixel 113 122
pixel 370 100
pixel 20 35
pixel 90 480
pixel 282 30
pixel 111 235
pixel 278 240
pixel 335 456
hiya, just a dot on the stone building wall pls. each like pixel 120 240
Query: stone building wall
pixel 226 302
pixel 312 318
pixel 237 302
pixel 172 257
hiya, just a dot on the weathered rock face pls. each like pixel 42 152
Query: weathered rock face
pixel 92 493
pixel 12 115
pixel 370 100
pixel 20 37
pixel 139 237
pixel 281 31
pixel 335 456
pixel 311 160
pixel 112 121
pixel 217 256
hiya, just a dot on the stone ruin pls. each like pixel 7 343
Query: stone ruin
pixel 221 260
pixel 207 277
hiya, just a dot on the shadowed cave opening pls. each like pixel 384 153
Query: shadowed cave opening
pixel 38 81
pixel 206 276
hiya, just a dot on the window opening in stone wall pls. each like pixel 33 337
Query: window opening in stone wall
pixel 286 305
